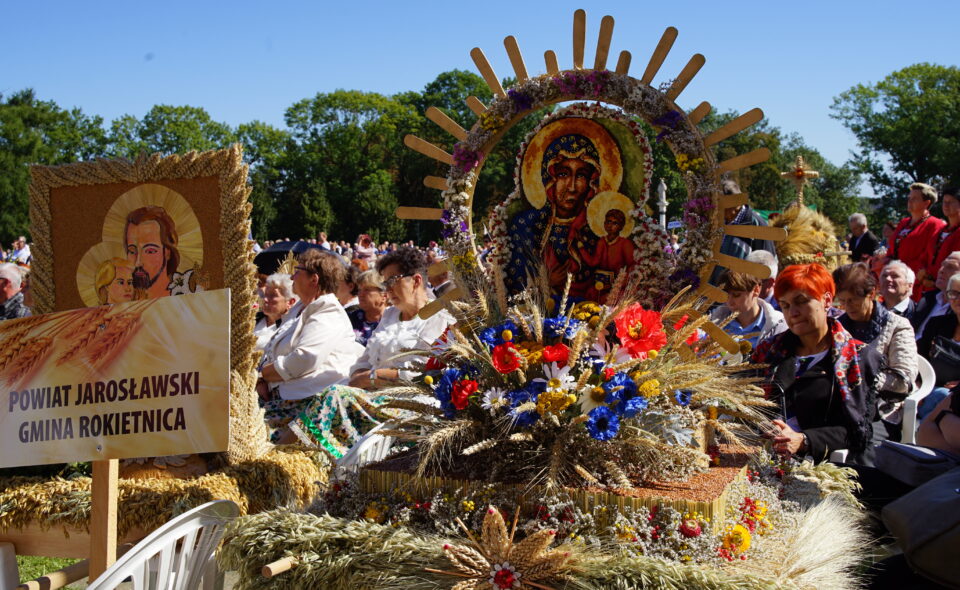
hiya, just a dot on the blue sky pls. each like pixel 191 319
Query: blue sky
pixel 250 60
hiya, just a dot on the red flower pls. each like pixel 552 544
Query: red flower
pixel 558 353
pixel 505 358
pixel 690 528
pixel 462 390
pixel 640 330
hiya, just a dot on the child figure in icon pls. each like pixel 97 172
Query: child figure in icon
pixel 614 251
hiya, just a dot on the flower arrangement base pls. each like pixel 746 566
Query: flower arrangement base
pixel 705 492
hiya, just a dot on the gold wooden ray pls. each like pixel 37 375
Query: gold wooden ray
pixel 550 58
pixel 745 120
pixel 623 64
pixel 740 265
pixel 579 37
pixel 697 114
pixel 686 75
pixel 446 123
pixel 659 54
pixel 489 76
pixel 756 232
pixel 516 59
pixel 719 336
pixel 436 182
pixel 474 104
pixel 427 149
pixel 744 160
pixel 727 201
pixel 419 213
pixel 712 293
pixel 603 43
pixel 437 304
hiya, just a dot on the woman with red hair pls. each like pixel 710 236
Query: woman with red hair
pixel 820 376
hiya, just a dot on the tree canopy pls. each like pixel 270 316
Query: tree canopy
pixel 339 163
pixel 908 130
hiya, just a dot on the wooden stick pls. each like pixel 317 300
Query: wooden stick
pixel 480 60
pixel 686 75
pixel 721 338
pixel 279 566
pixel 446 123
pixel 603 43
pixel 427 149
pixel 738 264
pixel 697 114
pixel 744 160
pixel 474 104
pixel 419 213
pixel 579 37
pixel 437 304
pixel 659 54
pixel 553 66
pixel 756 232
pixel 436 182
pixel 733 127
pixel 711 292
pixel 623 64
pixel 728 201
pixel 103 516
pixel 433 571
pixel 59 578
pixel 516 58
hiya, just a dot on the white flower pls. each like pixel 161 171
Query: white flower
pixel 494 399
pixel 557 379
pixel 602 349
pixel 180 283
pixel 591 397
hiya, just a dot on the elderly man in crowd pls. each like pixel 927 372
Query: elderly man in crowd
pixel 11 296
pixel 935 303
pixel 862 241
pixel 896 285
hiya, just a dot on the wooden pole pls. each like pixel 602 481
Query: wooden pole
pixel 103 516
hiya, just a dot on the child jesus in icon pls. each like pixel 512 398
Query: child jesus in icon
pixel 613 252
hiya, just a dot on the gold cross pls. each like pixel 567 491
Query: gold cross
pixel 800 175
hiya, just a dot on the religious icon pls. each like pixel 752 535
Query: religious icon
pixel 577 217
pixel 151 247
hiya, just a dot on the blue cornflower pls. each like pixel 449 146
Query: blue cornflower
pixel 620 387
pixel 603 423
pixel 683 396
pixel 524 419
pixel 493 336
pixel 553 327
pixel 598 365
pixel 631 407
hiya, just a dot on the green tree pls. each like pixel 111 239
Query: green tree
pixel 907 129
pixel 34 131
pixel 264 150
pixel 168 130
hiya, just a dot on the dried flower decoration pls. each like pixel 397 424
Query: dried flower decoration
pixel 496 562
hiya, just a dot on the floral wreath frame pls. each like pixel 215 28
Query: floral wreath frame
pixel 703 208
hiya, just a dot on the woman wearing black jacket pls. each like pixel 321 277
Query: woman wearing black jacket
pixel 821 377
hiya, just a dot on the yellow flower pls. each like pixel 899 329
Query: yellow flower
pixel 649 388
pixel 554 401
pixel 491 121
pixel 737 539
pixel 428 380
pixel 468 505
pixel 652 354
pixel 506 335
pixel 375 512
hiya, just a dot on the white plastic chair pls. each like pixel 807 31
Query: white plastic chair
pixel 370 448
pixel 908 424
pixel 177 556
pixel 927 380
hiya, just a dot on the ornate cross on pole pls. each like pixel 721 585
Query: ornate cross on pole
pixel 800 175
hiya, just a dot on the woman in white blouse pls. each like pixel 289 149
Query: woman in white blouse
pixel 316 351
pixel 401 329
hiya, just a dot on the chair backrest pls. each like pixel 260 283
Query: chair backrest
pixel 176 555
pixel 927 376
pixel 370 448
